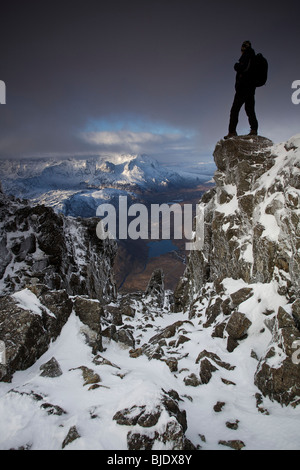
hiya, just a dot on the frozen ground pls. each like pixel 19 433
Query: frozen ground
pixel 128 381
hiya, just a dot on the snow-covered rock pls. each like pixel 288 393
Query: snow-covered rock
pixel 40 246
pixel 252 230
pixel 252 215
pixel 125 399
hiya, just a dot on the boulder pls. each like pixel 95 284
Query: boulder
pixel 235 444
pixel 170 432
pixel 241 296
pixel 27 334
pixel 51 368
pixel 90 312
pixel 192 380
pixel 167 332
pixel 124 336
pixel 238 325
pixel 278 372
pixel 155 288
pixel 206 370
pixel 90 377
pixel 72 435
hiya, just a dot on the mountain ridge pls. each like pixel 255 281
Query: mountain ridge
pixel 31 178
pixel 76 186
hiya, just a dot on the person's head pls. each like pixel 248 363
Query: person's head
pixel 246 45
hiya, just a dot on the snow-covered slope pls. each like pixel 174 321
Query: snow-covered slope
pixel 95 400
pixel 55 182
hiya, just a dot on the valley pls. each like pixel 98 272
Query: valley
pixel 77 186
pixel 137 259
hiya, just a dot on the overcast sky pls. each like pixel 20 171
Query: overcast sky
pixel 148 76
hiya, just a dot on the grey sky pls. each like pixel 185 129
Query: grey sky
pixel 149 76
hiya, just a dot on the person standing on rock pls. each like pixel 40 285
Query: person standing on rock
pixel 244 91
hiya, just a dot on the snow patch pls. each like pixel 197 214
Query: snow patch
pixel 27 300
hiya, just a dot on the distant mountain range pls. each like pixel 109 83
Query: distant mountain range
pixel 76 186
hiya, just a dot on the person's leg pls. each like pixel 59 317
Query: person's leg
pixel 238 102
pixel 250 111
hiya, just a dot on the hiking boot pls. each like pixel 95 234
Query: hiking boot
pixel 252 132
pixel 230 134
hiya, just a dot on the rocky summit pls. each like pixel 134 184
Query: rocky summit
pixel 213 365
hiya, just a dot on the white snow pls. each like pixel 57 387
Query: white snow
pixel 139 381
pixel 27 300
pixel 231 206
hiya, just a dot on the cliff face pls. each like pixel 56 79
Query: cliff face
pixel 45 260
pixel 39 246
pixel 251 216
pixel 251 239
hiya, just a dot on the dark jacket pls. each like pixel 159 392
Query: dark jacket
pixel 244 71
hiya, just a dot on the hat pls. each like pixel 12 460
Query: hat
pixel 246 45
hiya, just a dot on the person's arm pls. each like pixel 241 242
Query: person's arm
pixel 243 64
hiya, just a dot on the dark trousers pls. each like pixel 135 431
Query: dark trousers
pixel 246 97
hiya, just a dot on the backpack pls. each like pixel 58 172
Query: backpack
pixel 260 70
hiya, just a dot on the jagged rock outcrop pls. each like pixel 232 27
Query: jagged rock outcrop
pixel 251 233
pixel 51 368
pixel 251 217
pixel 39 246
pixel 28 330
pixel 156 288
pixel 45 260
pixel 90 312
pixel 278 375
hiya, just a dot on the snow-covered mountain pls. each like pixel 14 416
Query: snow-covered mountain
pixel 69 184
pixel 212 365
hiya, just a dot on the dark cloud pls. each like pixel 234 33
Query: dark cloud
pixel 159 61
